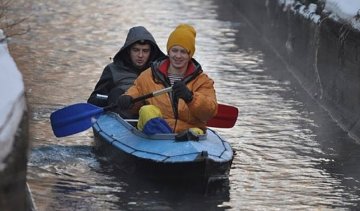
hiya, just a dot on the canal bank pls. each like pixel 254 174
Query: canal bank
pixel 14 136
pixel 322 53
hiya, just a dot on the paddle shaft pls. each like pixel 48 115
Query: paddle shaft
pixel 143 97
pixel 153 94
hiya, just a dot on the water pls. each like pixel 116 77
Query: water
pixel 289 154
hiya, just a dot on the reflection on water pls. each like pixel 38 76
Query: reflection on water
pixel 289 154
pixel 80 180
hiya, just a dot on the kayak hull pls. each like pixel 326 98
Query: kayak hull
pixel 161 156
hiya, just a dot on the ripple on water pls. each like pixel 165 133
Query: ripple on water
pixel 288 153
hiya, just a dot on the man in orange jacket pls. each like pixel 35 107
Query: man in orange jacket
pixel 193 100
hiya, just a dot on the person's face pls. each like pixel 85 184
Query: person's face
pixel 139 54
pixel 179 57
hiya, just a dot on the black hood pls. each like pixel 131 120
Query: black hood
pixel 134 35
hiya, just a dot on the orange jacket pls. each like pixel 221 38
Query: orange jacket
pixel 194 114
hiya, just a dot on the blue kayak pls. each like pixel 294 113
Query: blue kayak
pixel 164 156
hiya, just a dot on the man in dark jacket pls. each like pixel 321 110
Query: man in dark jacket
pixel 139 50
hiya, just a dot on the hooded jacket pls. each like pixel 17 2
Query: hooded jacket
pixel 179 115
pixel 119 75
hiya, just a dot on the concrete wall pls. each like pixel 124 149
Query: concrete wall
pixel 324 57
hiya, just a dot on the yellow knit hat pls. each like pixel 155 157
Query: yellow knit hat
pixel 184 36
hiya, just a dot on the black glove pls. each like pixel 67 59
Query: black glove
pixel 181 91
pixel 114 95
pixel 125 102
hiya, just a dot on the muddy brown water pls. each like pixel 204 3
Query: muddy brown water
pixel 289 154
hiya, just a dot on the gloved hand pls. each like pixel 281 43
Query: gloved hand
pixel 114 95
pixel 181 91
pixel 125 102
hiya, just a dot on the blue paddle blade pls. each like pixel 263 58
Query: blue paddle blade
pixel 74 118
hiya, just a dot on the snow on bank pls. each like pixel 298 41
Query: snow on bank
pixel 12 103
pixel 344 11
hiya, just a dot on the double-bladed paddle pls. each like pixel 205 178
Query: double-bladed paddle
pixel 81 116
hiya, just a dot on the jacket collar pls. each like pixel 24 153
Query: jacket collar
pixel 164 66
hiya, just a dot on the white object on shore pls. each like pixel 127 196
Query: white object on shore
pixel 12 103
